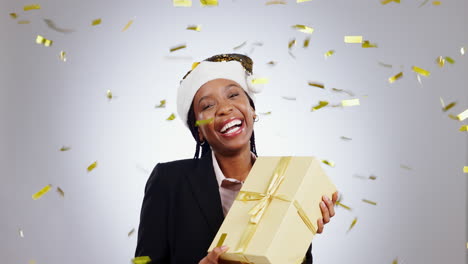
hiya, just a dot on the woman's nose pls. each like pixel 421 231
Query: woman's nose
pixel 225 108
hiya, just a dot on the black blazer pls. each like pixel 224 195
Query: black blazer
pixel 181 212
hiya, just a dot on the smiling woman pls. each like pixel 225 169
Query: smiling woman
pixel 186 200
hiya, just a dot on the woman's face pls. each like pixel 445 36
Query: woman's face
pixel 226 102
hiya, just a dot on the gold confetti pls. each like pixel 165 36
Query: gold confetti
pixel 131 232
pixel 342 91
pixel 162 104
pixel 209 2
pixel 289 98
pixel 41 40
pixel 204 122
pixel 31 7
pixel 462 51
pixel 266 113
pixel 405 167
pixel 24 22
pixel 436 3
pixel 346 138
pixel 291 43
pixel 421 71
pixel 260 81
pixel 367 44
pixel 352 224
pixel 62 56
pixel 369 202
pixel 92 166
pixel 450 60
pixel 329 163
pixel 319 85
pixel 40 193
pixel 109 94
pixel 141 260
pixel 465 169
pixel 464 128
pixel 20 232
pixel 182 3
pixel 329 53
pixel 372 177
pixel 351 102
pixel 32 261
pixel 194 28
pixel 127 25
pixel 96 22
pixel 396 77
pixel 302 1
pixel 306 42
pixel 183 46
pixel 453 117
pixel 51 25
pixel 221 240
pixel 320 105
pixel 171 117
pixel 13 15
pixel 442 102
pixel 240 46
pixel 385 65
pixel 61 192
pixel 463 115
pixel 449 106
pixel 272 63
pixel 304 29
pixel 353 39
pixel 275 3
pixel 440 61
pixel 64 148
pixel 395 261
pixel 384 2
pixel 344 206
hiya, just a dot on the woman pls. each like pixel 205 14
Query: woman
pixel 186 200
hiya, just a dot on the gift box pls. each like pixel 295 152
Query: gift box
pixel 274 216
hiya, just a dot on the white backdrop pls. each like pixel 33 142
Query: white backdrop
pixel 45 103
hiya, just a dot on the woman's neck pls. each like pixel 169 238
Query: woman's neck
pixel 235 166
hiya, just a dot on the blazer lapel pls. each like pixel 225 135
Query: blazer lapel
pixel 206 190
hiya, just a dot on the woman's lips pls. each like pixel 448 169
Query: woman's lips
pixel 234 131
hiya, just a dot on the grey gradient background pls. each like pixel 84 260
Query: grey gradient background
pixel 421 214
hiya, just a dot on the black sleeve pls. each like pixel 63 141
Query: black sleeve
pixel 152 232
pixel 308 258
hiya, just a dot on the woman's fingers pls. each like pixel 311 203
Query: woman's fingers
pixel 325 212
pixel 320 226
pixel 213 256
pixel 330 206
pixel 335 197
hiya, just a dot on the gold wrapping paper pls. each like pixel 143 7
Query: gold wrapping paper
pixel 274 217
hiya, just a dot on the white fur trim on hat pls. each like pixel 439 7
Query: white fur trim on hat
pixel 207 71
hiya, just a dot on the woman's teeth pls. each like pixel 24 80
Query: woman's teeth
pixel 234 123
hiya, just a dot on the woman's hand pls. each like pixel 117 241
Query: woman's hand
pixel 213 256
pixel 328 211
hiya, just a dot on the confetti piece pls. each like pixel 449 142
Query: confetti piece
pixel 41 40
pixel 127 25
pixel 385 65
pixel 440 61
pixel 450 60
pixel 61 192
pixel 221 240
pixel 291 43
pixel 24 22
pixel 20 232
pixel 465 169
pixel 303 1
pixel 463 115
pixel 320 105
pixel 109 94
pixel 351 102
pixel 183 46
pixel 367 44
pixel 464 128
pixel 453 117
pixel 260 81
pixel 449 106
pixel 289 98
pixel 304 29
pixel 352 224
pixel 96 22
pixel 384 2
pixel 421 71
pixel 272 63
pixel 442 102
pixel 342 91
pixel 162 104
pixel 436 3
pixel 209 2
pixel 141 260
pixel 13 15
pixel 51 25
pixel 31 7
pixel 329 53
pixel 194 28
pixel 395 261
pixel 344 206
pixel 62 56
pixel 372 177
pixel 345 138
pixel 418 77
pixel 318 85
pixel 64 148
pixel 182 3
pixel 131 232
pixel 396 77
pixel 204 122
pixel 275 3
pixel 171 117
pixel 329 163
pixel 353 39
pixel 40 193
pixel 32 261
pixel 462 51
pixel 266 113
pixel 240 46
pixel 369 202
pixel 92 166
pixel 405 167
pixel 306 42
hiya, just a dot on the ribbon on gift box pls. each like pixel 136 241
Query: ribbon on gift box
pixel 257 212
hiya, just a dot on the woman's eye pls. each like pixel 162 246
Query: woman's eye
pixel 206 107
pixel 233 95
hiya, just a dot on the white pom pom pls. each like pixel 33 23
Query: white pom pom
pixel 251 87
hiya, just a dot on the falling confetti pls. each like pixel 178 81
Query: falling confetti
pixel 462 51
pixel 13 15
pixel 62 56
pixel 384 2
pixel 450 60
pixel 352 224
pixel 109 94
pixel 141 260
pixel 291 43
pixel 183 46
pixel 436 3
pixel 303 1
pixel 351 102
pixel 260 81
pixel 465 169
pixel 369 202
pixel 64 148
pixel 209 2
pixel 131 232
pixel 41 40
pixel 453 117
pixel 449 106
pixel 31 7
pixel 92 166
pixel 395 261
pixel 353 39
pixel 329 163
pixel 51 25
pixel 171 117
pixel 24 22
pixel 346 138
pixel 204 122
pixel 194 28
pixel 266 113
pixel 96 22
pixel 318 85
pixel 320 105
pixel 405 167
pixel 61 192
pixel 272 63
pixel 304 29
pixel 342 91
pixel 306 42
pixel 367 44
pixel 329 53
pixel 290 98
pixel 182 3
pixel 20 232
pixel 372 177
pixel 385 65
pixel 240 46
pixel 464 128
pixel 127 25
pixel 275 3
pixel 463 115
pixel 440 61
pixel 421 71
pixel 162 104
pixel 40 193
pixel 396 77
